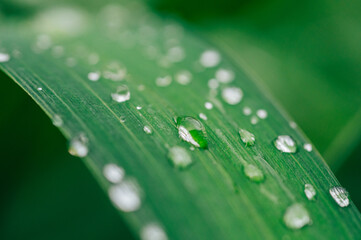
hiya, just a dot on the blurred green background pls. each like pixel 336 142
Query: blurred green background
pixel 307 55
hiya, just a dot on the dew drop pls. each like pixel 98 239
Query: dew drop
pixel 247 137
pixel 57 121
pixel 224 75
pixel 175 54
pixel 139 107
pixel 79 146
pixel 183 77
pixel 125 196
pixel 4 57
pixel 113 173
pixel 208 105
pixel 262 114
pixel 232 95
pixel 147 129
pixel 340 195
pixel 210 58
pixel 94 76
pixel 179 157
pixel 310 191
pixel 254 120
pixel 115 71
pixel 39 89
pixel 213 83
pixel 307 147
pixel 153 231
pixel 296 216
pixel 247 111
pixel 293 125
pixel 203 116
pixel 253 173
pixel 122 94
pixel 192 130
pixel 163 81
pixel 285 144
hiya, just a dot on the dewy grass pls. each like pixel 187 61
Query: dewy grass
pixel 111 84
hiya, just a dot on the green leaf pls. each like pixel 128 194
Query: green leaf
pixel 231 190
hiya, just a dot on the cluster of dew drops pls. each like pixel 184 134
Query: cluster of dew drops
pixel 124 191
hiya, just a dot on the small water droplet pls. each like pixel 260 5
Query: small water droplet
pixel 122 119
pixel 139 107
pixel 296 216
pixel 285 144
pixel 4 57
pixel 210 58
pixel 213 83
pixel 148 129
pixel 293 125
pixel 175 54
pixel 183 77
pixel 179 157
pixel 125 196
pixel 247 111
pixel 94 76
pixel 224 75
pixel 253 173
pixel 340 195
pixel 122 94
pixel 262 114
pixel 307 147
pixel 79 146
pixel 208 105
pixel 232 95
pixel 113 173
pixel 247 137
pixel 115 71
pixel 192 130
pixel 39 89
pixel 57 121
pixel 203 116
pixel 163 81
pixel 153 231
pixel 254 120
pixel 310 191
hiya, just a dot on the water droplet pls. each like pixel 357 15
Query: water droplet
pixel 183 77
pixel 179 157
pixel 254 120
pixel 115 71
pixel 224 75
pixel 340 195
pixel 79 146
pixel 125 196
pixel 113 173
pixel 285 144
pixel 153 231
pixel 39 89
pixel 71 62
pixel 210 58
pixel 94 76
pixel 296 216
pixel 139 107
pixel 122 94
pixel 253 173
pixel 57 121
pixel 247 111
pixel 163 81
pixel 175 54
pixel 208 105
pixel 191 130
pixel 310 191
pixel 262 114
pixel 148 129
pixel 213 84
pixel 247 137
pixel 203 116
pixel 4 57
pixel 232 95
pixel 122 119
pixel 293 125
pixel 307 147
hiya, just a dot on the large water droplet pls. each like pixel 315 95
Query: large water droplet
pixel 179 157
pixel 125 196
pixel 296 216
pixel 285 144
pixel 191 130
pixel 57 121
pixel 310 191
pixel 115 71
pixel 153 231
pixel 253 173
pixel 4 57
pixel 232 95
pixel 113 173
pixel 210 58
pixel 122 94
pixel 79 146
pixel 247 137
pixel 340 195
